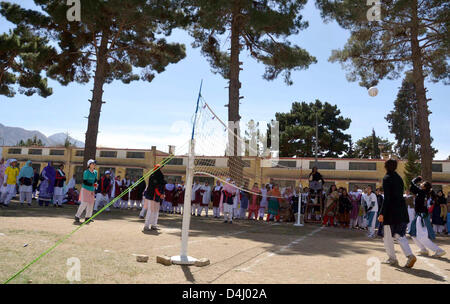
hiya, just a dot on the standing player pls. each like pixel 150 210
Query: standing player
pixel 87 194
pixel 154 196
pixel 394 215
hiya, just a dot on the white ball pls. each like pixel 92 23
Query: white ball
pixel 373 91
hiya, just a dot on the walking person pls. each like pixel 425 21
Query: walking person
pixel 421 231
pixel 9 182
pixel 87 194
pixel 26 176
pixel 154 195
pixel 58 192
pixel 394 216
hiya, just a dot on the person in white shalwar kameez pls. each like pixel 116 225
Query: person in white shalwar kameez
pixel 195 204
pixel 206 199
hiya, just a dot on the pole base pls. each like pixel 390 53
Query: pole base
pixel 299 225
pixel 183 260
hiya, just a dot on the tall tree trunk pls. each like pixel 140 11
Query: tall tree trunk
pixel 422 107
pixel 233 95
pixel 90 146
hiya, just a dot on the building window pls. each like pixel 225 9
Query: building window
pixel 205 162
pixel 135 154
pixel 363 166
pixel 57 152
pixel 134 173
pixel 322 165
pixel 436 167
pixel 110 154
pixel 79 153
pixel 14 151
pixel 175 162
pixel 35 152
pixel 286 163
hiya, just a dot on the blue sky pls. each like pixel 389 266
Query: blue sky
pixel 140 115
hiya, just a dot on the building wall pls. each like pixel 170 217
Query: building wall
pixel 294 171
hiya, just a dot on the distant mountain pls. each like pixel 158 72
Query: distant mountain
pixel 10 136
pixel 60 138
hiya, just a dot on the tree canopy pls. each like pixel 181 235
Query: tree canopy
pixel 23 56
pixel 411 34
pixel 297 130
pixel 115 40
pixel 403 119
pixel 369 146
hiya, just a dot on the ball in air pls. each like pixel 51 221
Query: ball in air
pixel 373 91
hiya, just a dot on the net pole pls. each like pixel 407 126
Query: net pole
pixel 187 202
pixel 183 258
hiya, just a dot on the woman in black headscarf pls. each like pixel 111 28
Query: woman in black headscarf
pixel 154 194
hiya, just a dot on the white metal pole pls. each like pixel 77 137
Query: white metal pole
pixel 187 201
pixel 183 258
pixel 299 211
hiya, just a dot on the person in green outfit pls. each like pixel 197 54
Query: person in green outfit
pixel 87 194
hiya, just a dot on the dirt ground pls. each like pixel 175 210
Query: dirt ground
pixel 242 252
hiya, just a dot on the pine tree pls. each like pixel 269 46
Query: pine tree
pixel 297 130
pixel 403 121
pixel 112 40
pixel 262 27
pixel 412 167
pixel 411 34
pixel 23 56
pixel 369 146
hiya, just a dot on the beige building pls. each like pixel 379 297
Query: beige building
pixel 289 171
